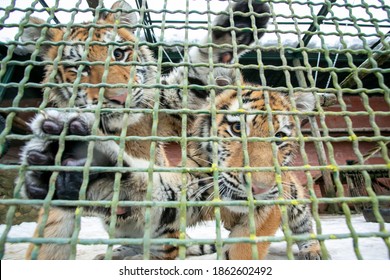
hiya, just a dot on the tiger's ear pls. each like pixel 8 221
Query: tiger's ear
pixel 124 16
pixel 33 33
pixel 304 101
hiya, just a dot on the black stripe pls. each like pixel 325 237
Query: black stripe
pixel 171 194
pixel 209 148
pixel 190 118
pixel 176 116
pixel 168 216
pixel 179 96
pixel 164 104
pixel 58 76
pixel 294 192
pixel 170 250
pixel 200 93
pixel 201 248
pixel 246 98
pixel 224 107
pixel 167 231
pixel 302 227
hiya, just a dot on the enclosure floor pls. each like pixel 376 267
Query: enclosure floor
pixel 370 248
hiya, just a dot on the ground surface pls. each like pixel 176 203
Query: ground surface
pixel 342 249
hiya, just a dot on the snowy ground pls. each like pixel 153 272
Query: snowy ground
pixel 370 248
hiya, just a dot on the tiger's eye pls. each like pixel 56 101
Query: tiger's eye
pixel 280 134
pixel 236 128
pixel 119 54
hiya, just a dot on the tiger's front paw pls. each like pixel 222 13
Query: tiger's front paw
pixel 310 250
pixel 124 253
pixel 42 152
pixel 244 27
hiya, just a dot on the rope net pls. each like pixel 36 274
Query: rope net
pixel 337 51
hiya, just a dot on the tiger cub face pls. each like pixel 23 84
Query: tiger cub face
pixel 95 61
pixel 271 149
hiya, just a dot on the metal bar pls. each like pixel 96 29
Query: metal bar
pixel 6 79
pixel 147 21
pixel 202 22
pixel 44 4
pixel 313 27
pixel 373 46
pixel 329 190
pixel 380 58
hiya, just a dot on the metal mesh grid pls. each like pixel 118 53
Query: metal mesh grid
pixel 350 74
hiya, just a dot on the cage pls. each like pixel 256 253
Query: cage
pixel 337 51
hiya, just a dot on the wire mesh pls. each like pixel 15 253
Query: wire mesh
pixel 321 47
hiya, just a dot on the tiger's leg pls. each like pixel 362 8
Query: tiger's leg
pixel 266 225
pixel 221 37
pixel 300 222
pixel 60 224
pixel 38 151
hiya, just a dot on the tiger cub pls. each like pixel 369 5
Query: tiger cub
pixel 121 75
pixel 167 186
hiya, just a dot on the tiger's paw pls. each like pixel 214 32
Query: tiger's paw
pixel 310 250
pixel 40 151
pixel 244 27
pixel 123 253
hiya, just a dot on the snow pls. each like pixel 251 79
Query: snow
pixel 371 248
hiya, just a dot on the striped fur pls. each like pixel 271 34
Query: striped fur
pixel 165 222
pixel 128 68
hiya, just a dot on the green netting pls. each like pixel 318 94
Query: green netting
pixel 336 47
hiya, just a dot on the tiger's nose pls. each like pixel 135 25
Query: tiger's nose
pixel 117 98
pixel 259 189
